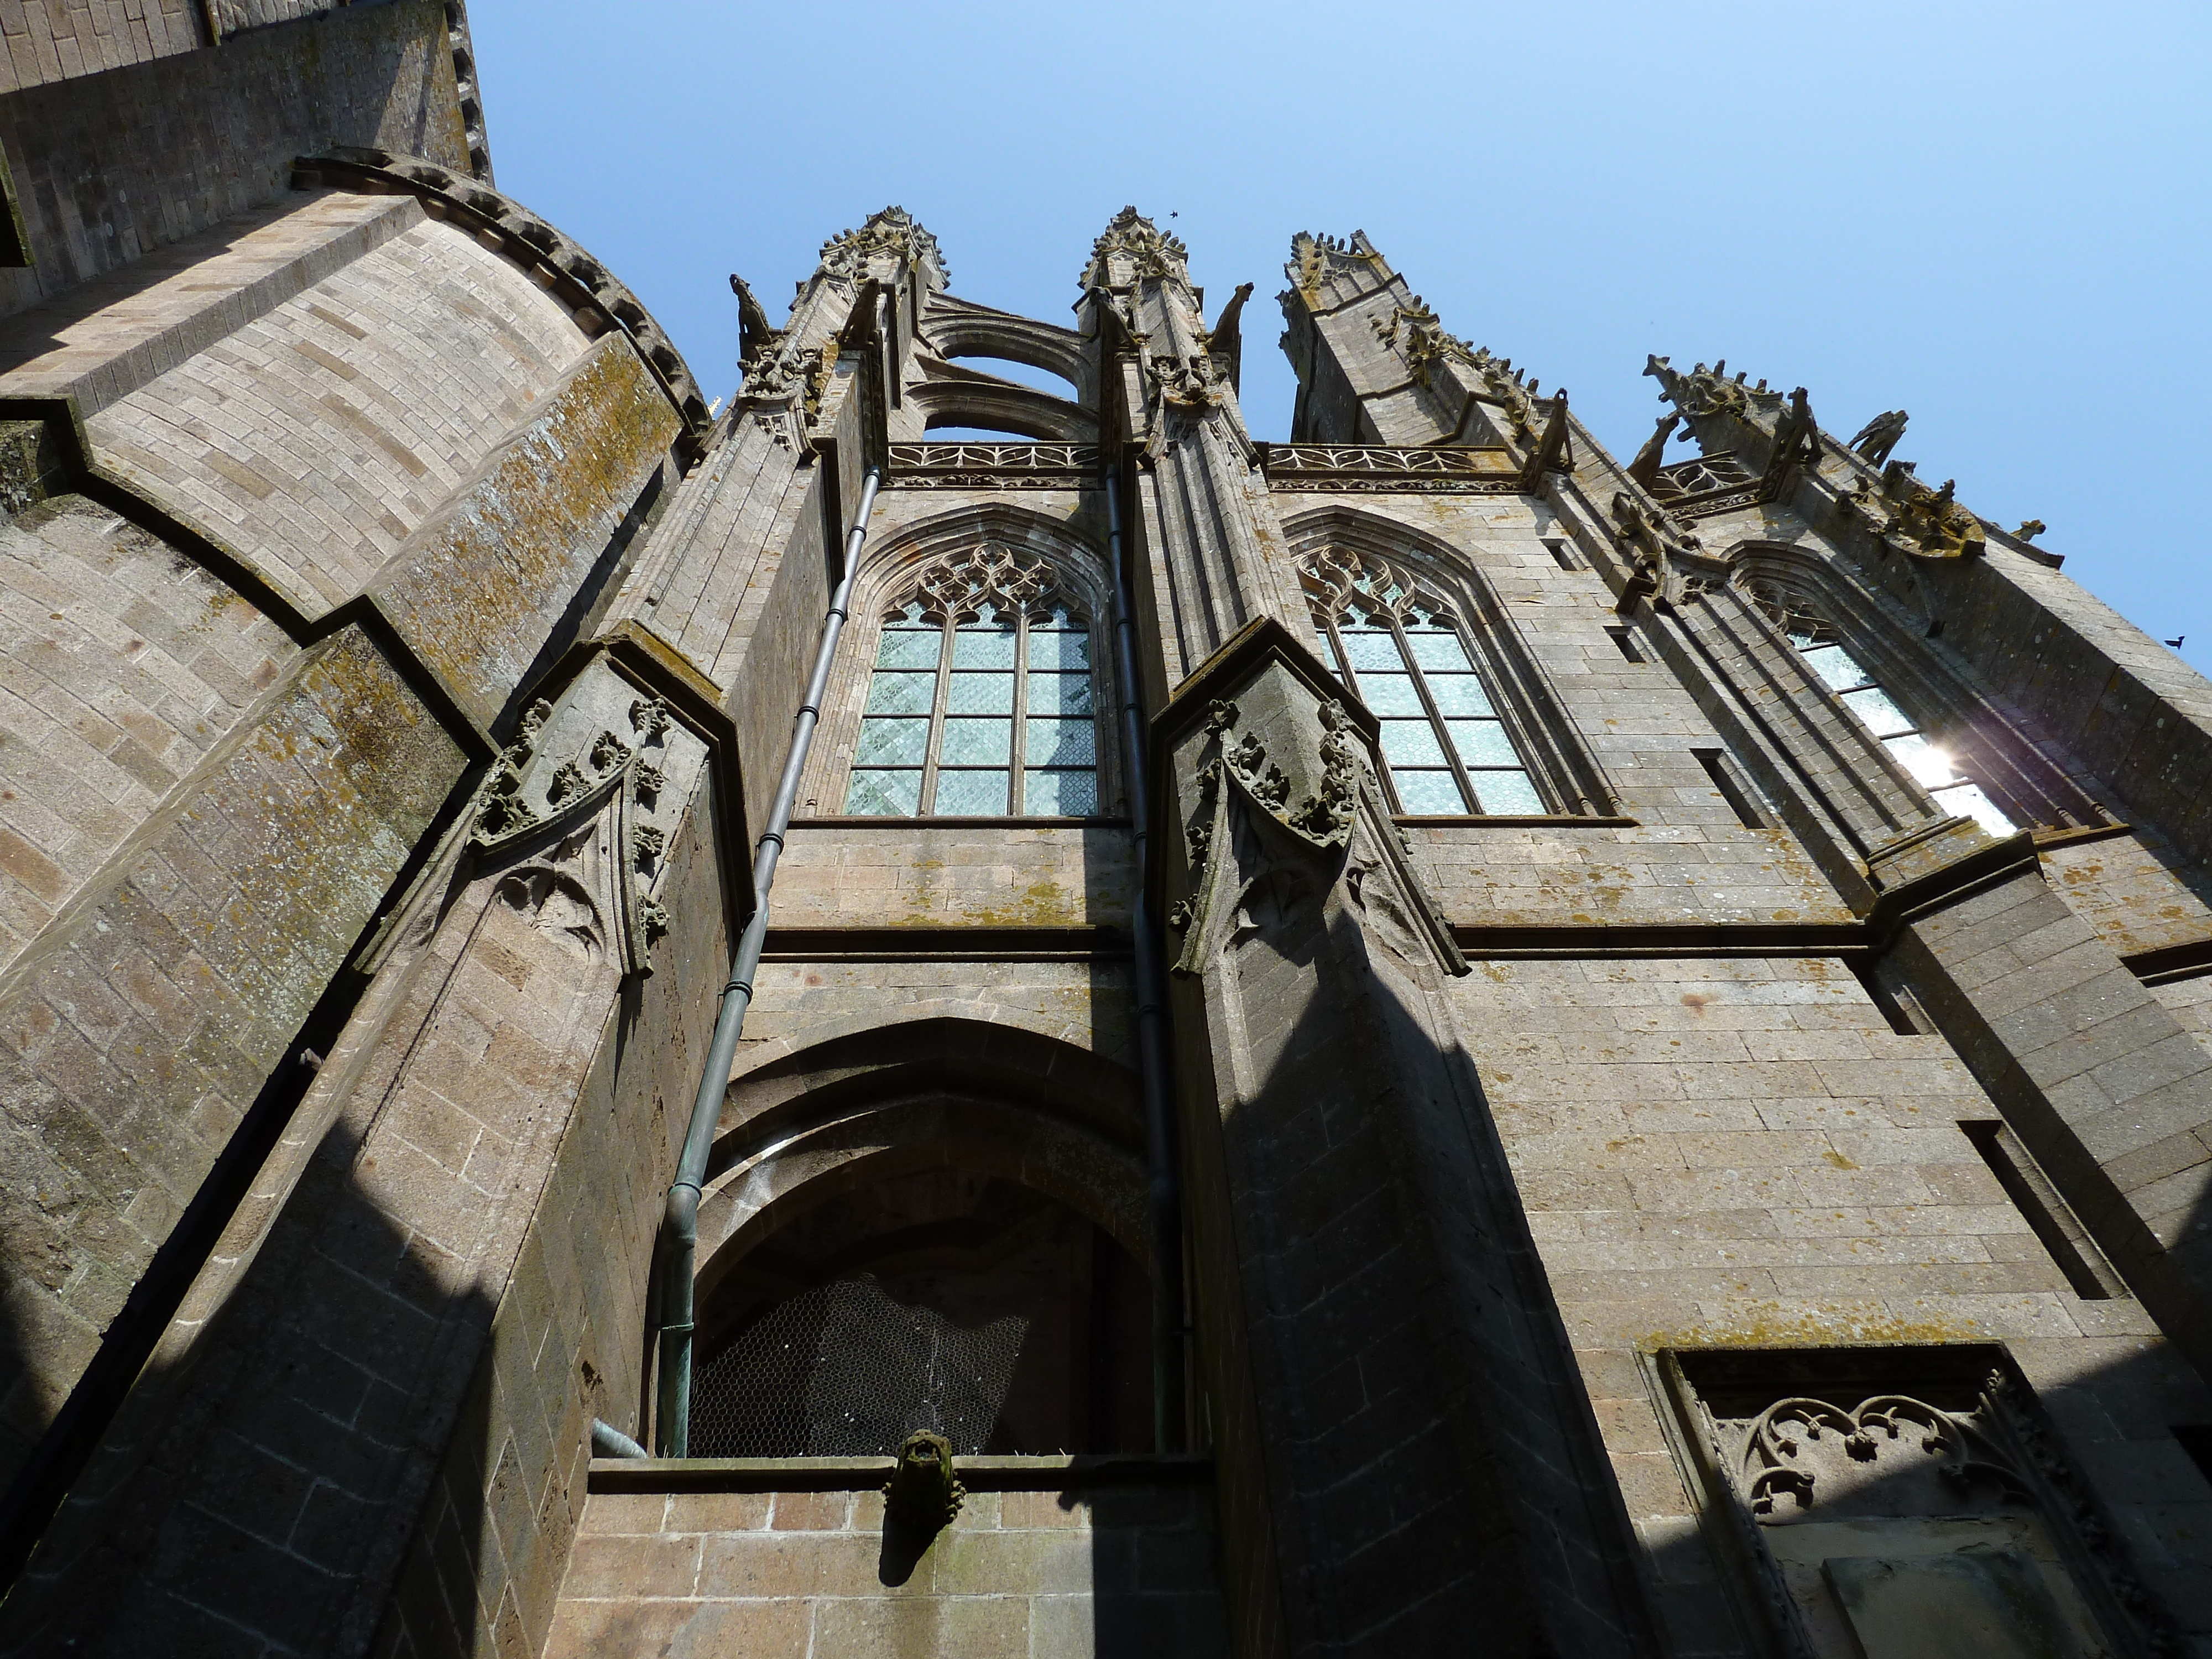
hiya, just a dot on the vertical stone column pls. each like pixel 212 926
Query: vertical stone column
pixel 1406 1460
pixel 2095 1075
pixel 1203 519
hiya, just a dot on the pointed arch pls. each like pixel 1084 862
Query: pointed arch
pixel 977 683
pixel 1816 603
pixel 1415 594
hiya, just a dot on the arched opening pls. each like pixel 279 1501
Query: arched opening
pixel 937 1224
pixel 957 433
pixel 1035 376
pixel 947 1299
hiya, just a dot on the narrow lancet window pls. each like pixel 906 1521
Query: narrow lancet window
pixel 1935 767
pixel 1401 652
pixel 983 702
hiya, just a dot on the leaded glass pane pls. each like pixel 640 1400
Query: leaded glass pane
pixel 1428 791
pixel 893 693
pixel 1322 648
pixel 1372 648
pixel 910 648
pixel 1482 742
pixel 974 742
pixel 893 743
pixel 1930 766
pixel 972 793
pixel 1439 649
pixel 981 693
pixel 1459 693
pixel 1834 665
pixel 1390 694
pixel 976 645
pixel 1059 649
pixel 1059 694
pixel 1507 792
pixel 1068 794
pixel 1883 717
pixel 1967 800
pixel 1412 743
pixel 885 794
pixel 1060 742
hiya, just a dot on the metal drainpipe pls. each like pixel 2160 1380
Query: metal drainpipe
pixel 1154 1075
pixel 680 1226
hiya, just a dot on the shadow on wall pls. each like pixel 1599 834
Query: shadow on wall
pixel 225 1514
pixel 405 1327
pixel 1852 1498
pixel 1354 1197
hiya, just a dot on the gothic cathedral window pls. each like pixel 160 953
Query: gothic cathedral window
pixel 1400 651
pixel 1933 765
pixel 984 700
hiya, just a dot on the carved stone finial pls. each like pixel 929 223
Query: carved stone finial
pixel 922 1493
pixel 893 234
pixel 1132 248
pixel 2029 530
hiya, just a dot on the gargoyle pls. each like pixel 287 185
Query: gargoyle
pixel 1880 436
pixel 1645 468
pixel 755 332
pixel 1796 440
pixel 922 1493
pixel 1933 523
pixel 1226 343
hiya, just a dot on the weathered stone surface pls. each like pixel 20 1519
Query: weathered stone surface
pixel 1745 1057
pixel 316 439
pixel 112 166
pixel 1043 1567
pixel 143 1026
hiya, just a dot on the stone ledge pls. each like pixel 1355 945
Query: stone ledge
pixel 651 1475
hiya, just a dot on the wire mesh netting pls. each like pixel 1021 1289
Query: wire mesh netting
pixel 843 1370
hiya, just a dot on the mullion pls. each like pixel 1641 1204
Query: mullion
pixel 1018 792
pixel 936 709
pixel 1469 798
pixel 1350 676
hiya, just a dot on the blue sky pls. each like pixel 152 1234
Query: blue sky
pixel 1995 217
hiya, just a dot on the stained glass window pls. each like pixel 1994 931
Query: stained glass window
pixel 988 709
pixel 1935 766
pixel 1445 744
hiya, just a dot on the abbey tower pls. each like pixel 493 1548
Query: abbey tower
pixel 908 1014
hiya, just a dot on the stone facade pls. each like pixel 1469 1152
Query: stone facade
pixel 1414 1032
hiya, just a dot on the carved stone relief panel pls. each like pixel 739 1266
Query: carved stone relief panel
pixel 1906 1501
pixel 583 804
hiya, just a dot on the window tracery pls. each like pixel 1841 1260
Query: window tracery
pixel 1935 765
pixel 984 698
pixel 1401 649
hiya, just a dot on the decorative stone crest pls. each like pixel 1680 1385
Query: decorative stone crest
pixel 1895 1457
pixel 893 234
pixel 1131 249
pixel 1801 1453
pixel 530 801
pixel 1269 830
